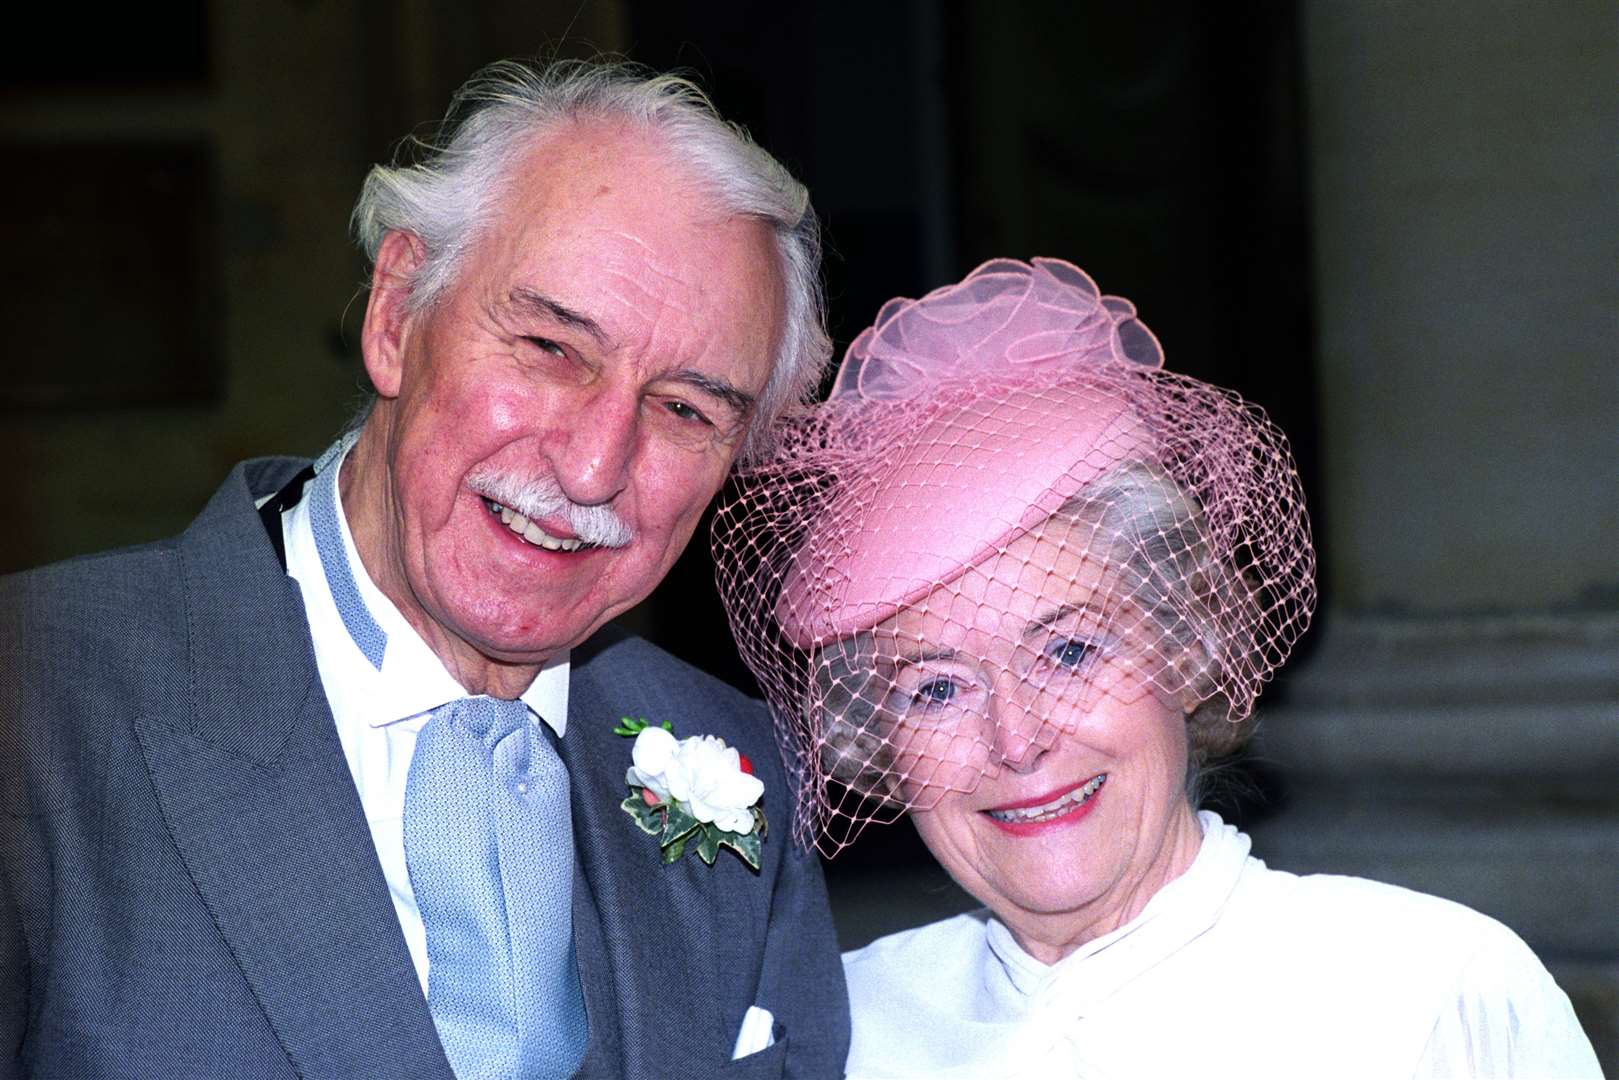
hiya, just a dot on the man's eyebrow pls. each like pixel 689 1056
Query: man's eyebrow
pixel 539 304
pixel 738 399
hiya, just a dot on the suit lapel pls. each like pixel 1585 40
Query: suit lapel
pixel 608 1006
pixel 656 926
pixel 258 798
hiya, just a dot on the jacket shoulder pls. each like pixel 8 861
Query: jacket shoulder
pixel 91 596
pixel 105 582
pixel 617 675
pixel 114 624
pixel 618 656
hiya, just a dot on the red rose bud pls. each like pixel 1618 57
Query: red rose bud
pixel 742 760
pixel 650 796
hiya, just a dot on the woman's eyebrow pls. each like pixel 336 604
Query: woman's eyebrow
pixel 1055 615
pixel 908 659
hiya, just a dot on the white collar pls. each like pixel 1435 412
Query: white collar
pixel 1179 912
pixel 411 681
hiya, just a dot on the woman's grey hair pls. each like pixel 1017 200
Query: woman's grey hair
pixel 444 191
pixel 1152 537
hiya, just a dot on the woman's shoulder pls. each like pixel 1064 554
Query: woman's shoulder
pixel 1442 983
pixel 920 1003
pixel 1444 951
pixel 1368 917
pixel 959 933
pixel 921 956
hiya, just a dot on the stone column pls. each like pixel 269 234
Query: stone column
pixel 1456 727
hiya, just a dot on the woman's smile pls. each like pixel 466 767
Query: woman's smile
pixel 1036 814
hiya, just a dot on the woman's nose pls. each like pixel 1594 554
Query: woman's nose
pixel 1020 736
pixel 593 446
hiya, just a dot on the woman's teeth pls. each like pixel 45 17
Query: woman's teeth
pixel 527 530
pixel 1056 807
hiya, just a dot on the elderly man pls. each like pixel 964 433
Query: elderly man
pixel 328 785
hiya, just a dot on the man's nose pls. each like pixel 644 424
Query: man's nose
pixel 595 444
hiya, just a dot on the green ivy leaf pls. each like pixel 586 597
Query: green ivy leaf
pixel 679 823
pixel 674 851
pixel 746 847
pixel 629 726
pixel 649 818
pixel 708 844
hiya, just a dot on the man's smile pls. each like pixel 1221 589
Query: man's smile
pixel 528 531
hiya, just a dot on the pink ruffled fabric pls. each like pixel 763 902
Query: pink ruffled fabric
pixel 1004 316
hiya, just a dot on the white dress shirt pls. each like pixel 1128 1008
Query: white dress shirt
pixel 1232 970
pixel 380 712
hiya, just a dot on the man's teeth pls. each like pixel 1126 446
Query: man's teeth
pixel 1054 808
pixel 529 531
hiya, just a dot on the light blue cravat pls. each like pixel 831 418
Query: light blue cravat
pixel 489 844
pixel 489 847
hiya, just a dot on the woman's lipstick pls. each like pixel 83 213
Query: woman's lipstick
pixel 1062 807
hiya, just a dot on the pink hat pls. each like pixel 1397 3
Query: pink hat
pixel 959 423
pixel 973 470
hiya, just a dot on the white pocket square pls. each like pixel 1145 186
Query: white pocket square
pixel 758 1032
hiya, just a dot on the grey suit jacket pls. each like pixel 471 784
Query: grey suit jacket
pixel 189 887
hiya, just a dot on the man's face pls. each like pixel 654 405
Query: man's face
pixel 605 336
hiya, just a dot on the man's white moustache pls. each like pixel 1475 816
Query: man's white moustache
pixel 540 497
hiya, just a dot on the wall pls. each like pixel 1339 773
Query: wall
pixel 1456 727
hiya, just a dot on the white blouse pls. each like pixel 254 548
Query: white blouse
pixel 1233 970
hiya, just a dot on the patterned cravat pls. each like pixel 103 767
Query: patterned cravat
pixel 489 844
pixel 489 847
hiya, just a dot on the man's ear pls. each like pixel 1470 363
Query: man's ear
pixel 387 318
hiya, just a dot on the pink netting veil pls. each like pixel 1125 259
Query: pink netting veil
pixel 1005 515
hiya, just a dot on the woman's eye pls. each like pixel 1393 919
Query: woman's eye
pixel 935 692
pixel 1070 653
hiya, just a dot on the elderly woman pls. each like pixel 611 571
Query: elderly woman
pixel 1019 583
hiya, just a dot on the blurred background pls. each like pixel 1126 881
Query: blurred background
pixel 1393 225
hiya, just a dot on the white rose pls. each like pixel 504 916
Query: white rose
pixel 654 749
pixel 710 781
pixel 702 772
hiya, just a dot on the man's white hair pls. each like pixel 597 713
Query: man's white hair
pixel 444 191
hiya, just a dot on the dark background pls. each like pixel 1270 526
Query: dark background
pixel 1156 146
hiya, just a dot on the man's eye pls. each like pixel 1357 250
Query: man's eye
pixel 547 345
pixel 1070 653
pixel 686 412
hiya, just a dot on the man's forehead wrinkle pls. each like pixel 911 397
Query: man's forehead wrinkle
pixel 647 263
pixel 664 308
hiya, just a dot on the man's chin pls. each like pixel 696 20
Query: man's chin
pixel 530 646
pixel 525 656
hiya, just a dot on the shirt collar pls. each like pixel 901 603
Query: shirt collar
pixel 386 672
pixel 1179 912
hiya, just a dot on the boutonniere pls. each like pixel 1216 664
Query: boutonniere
pixel 693 794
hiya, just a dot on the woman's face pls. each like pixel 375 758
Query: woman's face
pixel 1042 767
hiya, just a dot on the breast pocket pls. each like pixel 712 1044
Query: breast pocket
pixel 769 1062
